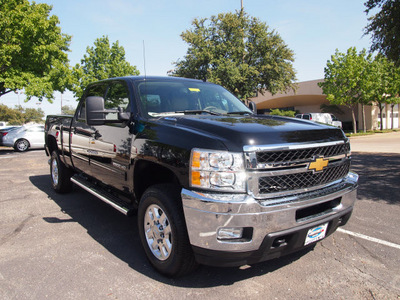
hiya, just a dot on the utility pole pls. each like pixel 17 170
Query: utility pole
pixel 241 4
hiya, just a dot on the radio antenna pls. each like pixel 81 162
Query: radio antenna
pixel 144 59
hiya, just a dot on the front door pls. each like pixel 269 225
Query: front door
pixel 110 144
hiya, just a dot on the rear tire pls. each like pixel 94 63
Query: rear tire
pixel 60 174
pixel 163 232
pixel 21 145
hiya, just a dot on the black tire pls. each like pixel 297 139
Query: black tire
pixel 21 145
pixel 60 175
pixel 163 232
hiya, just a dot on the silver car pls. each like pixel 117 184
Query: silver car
pixel 26 137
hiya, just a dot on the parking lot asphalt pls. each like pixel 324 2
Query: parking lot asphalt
pixel 76 247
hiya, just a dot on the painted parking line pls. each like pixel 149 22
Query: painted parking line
pixel 368 238
pixel 7 156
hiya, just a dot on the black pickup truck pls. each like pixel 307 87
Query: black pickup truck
pixel 211 182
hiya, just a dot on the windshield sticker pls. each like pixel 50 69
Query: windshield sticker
pixel 194 89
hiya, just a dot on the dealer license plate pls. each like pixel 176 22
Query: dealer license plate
pixel 316 234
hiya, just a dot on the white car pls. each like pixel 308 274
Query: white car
pixel 322 118
pixel 26 137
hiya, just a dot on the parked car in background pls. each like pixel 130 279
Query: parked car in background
pixel 322 118
pixel 4 131
pixel 25 137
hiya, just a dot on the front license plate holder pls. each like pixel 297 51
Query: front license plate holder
pixel 315 234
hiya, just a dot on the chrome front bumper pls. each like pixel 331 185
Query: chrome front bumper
pixel 205 214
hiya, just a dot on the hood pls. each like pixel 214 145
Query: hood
pixel 238 131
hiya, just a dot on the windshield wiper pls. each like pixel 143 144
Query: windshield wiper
pixel 239 113
pixel 199 111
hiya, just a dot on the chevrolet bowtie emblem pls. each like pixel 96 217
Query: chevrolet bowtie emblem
pixel 318 164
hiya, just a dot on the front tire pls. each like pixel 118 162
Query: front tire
pixel 163 232
pixel 21 145
pixel 60 174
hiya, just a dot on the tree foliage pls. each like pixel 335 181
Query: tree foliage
pixel 384 28
pixel 68 110
pixel 357 78
pixel 20 115
pixel 383 84
pixel 345 79
pixel 33 50
pixel 101 62
pixel 238 52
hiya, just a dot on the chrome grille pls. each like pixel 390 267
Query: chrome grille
pixel 296 181
pixel 284 170
pixel 288 156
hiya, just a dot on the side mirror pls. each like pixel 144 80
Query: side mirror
pixel 253 107
pixel 95 110
pixel 96 114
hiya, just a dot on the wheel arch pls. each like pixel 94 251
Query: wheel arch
pixel 147 173
pixel 52 144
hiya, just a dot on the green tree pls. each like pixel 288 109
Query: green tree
pixel 67 110
pixel 33 115
pixel 384 84
pixel 238 52
pixel 12 116
pixel 101 62
pixel 33 50
pixel 395 90
pixel 20 115
pixel 345 80
pixel 384 28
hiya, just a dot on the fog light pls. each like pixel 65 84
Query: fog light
pixel 227 233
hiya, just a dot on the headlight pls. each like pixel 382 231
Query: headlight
pixel 217 170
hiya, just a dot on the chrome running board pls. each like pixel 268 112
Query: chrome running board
pixel 102 195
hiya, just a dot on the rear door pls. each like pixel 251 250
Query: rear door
pixel 81 133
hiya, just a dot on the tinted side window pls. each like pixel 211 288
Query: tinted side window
pixel 94 90
pixel 98 90
pixel 81 116
pixel 117 97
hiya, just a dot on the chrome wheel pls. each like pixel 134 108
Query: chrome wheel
pixel 22 145
pixel 54 171
pixel 60 174
pixel 158 232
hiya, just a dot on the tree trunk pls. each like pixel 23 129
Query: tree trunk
pixel 380 112
pixel 392 108
pixel 363 118
pixel 353 114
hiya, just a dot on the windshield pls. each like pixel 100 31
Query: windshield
pixel 161 98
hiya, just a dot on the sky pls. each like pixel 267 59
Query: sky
pixel 313 29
